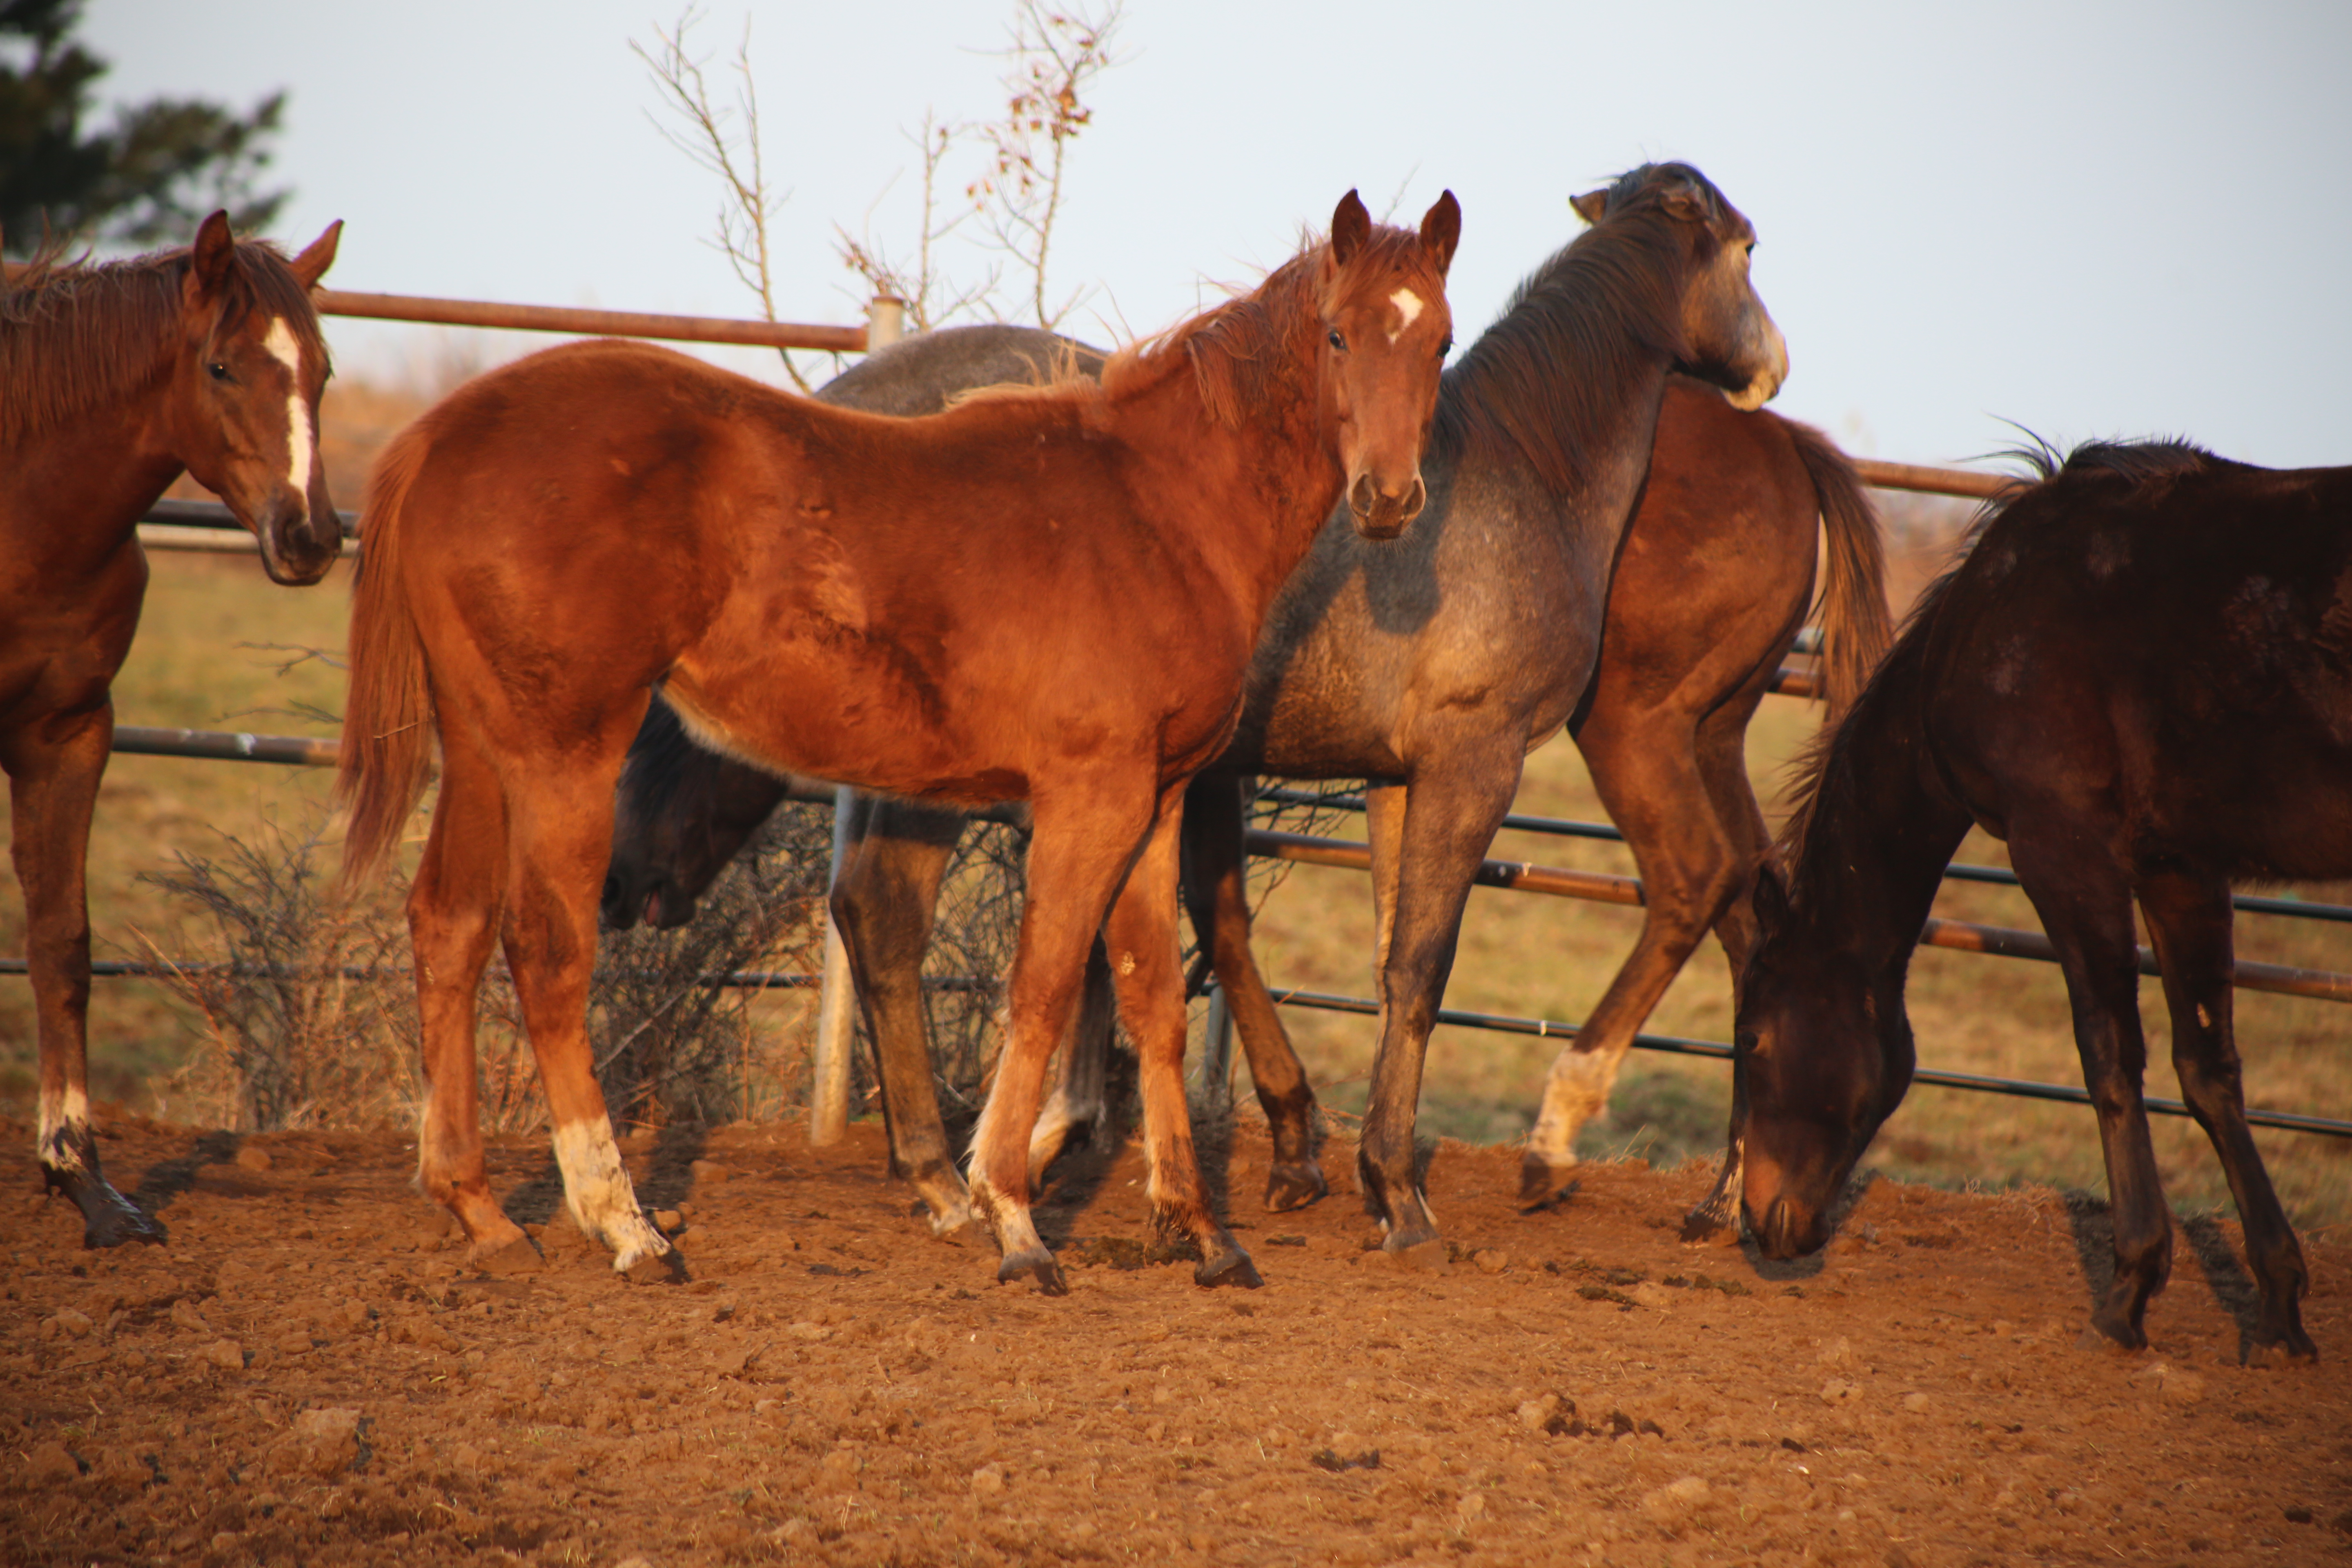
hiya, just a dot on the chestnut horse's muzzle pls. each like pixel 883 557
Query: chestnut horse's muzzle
pixel 1382 513
pixel 297 544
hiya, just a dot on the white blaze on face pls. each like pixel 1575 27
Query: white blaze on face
pixel 1409 309
pixel 300 441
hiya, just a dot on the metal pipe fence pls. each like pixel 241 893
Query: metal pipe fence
pixel 199 526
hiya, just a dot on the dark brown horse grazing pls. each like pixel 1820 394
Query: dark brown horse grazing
pixel 114 380
pixel 1047 594
pixel 2141 678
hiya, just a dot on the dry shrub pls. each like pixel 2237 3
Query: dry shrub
pixel 306 1009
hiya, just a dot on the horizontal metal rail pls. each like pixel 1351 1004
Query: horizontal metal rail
pixel 2025 1088
pixel 1568 827
pixel 590 323
pixel 2320 985
pixel 735 979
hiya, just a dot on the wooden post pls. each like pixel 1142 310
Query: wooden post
pixel 836 1010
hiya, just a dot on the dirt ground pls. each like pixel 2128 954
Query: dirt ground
pixel 308 1374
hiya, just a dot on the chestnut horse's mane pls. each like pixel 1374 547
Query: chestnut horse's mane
pixel 1236 351
pixel 1608 301
pixel 78 335
pixel 1822 789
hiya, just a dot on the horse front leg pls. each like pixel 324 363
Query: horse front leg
pixel 1081 1085
pixel 2188 920
pixel 1086 832
pixel 883 902
pixel 1450 817
pixel 2086 906
pixel 54 791
pixel 1140 938
pixel 1217 895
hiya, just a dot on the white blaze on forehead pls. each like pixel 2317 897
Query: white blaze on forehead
pixel 300 441
pixel 1409 309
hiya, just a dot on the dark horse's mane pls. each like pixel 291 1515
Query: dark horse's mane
pixel 1823 782
pixel 1607 300
pixel 78 335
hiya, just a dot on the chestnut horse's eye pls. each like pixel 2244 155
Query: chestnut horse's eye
pixel 217 370
pixel 1446 347
pixel 1337 342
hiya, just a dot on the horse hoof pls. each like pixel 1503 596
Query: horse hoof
pixel 1708 1227
pixel 1428 1255
pixel 1038 1265
pixel 1231 1266
pixel 1294 1187
pixel 2293 1349
pixel 1541 1183
pixel 118 1223
pixel 520 1256
pixel 2108 1335
pixel 657 1268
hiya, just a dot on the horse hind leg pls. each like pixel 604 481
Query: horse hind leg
pixel 560 834
pixel 1142 938
pixel 54 789
pixel 1218 897
pixel 453 915
pixel 2188 920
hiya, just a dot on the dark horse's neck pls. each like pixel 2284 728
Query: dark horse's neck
pixel 1568 380
pixel 1876 826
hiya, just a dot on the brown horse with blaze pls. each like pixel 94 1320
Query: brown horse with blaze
pixel 114 381
pixel 1044 594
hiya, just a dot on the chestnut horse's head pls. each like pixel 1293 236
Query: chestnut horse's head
pixel 1729 339
pixel 1822 1055
pixel 244 402
pixel 1386 330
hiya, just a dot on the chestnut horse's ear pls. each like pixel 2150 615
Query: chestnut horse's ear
pixel 1441 230
pixel 312 263
pixel 208 259
pixel 1591 206
pixel 1351 225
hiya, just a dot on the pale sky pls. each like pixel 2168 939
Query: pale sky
pixel 2092 219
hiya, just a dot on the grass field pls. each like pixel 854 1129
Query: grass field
pixel 220 648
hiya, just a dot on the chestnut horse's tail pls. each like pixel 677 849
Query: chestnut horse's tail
pixel 1855 628
pixel 386 755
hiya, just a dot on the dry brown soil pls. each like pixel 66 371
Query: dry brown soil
pixel 310 1373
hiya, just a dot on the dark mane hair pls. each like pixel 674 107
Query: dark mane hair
pixel 1819 784
pixel 1608 301
pixel 78 335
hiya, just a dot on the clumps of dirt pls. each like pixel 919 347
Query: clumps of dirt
pixel 312 1372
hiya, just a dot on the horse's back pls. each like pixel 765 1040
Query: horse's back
pixel 2172 650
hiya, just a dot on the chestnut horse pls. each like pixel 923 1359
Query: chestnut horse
pixel 114 380
pixel 2141 678
pixel 1718 568
pixel 1047 594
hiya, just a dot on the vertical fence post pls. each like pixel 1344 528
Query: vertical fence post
pixel 836 1010
pixel 1217 1056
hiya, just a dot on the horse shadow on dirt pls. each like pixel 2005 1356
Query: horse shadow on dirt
pixel 167 1179
pixel 2233 1289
